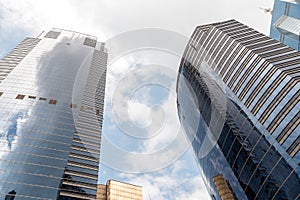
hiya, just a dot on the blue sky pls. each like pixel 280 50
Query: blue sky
pixel 105 19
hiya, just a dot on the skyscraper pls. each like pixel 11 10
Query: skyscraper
pixel 238 102
pixel 51 98
pixel 115 190
pixel 285 26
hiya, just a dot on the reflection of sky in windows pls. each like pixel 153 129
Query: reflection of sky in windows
pixel 12 130
pixel 35 135
pixel 280 9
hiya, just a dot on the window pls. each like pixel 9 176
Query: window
pixel 90 42
pixel 52 34
pixel 72 105
pixel 52 101
pixel 32 97
pixel 20 96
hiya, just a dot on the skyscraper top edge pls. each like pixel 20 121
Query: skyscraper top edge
pixel 59 33
pixel 216 23
pixel 291 1
pixel 112 180
pixel 76 32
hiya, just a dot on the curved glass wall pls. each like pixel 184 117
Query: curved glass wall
pixel 228 138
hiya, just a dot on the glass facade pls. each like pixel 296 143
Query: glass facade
pixel 52 94
pixel 285 26
pixel 238 102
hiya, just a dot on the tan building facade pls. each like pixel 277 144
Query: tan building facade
pixel 115 190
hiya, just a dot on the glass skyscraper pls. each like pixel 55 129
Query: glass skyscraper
pixel 238 102
pixel 285 26
pixel 51 109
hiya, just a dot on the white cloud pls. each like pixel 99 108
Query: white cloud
pixel 170 129
pixel 139 113
pixel 177 182
pixel 36 16
pixel 106 18
pixel 198 192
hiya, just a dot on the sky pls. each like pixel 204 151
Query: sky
pixel 140 81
